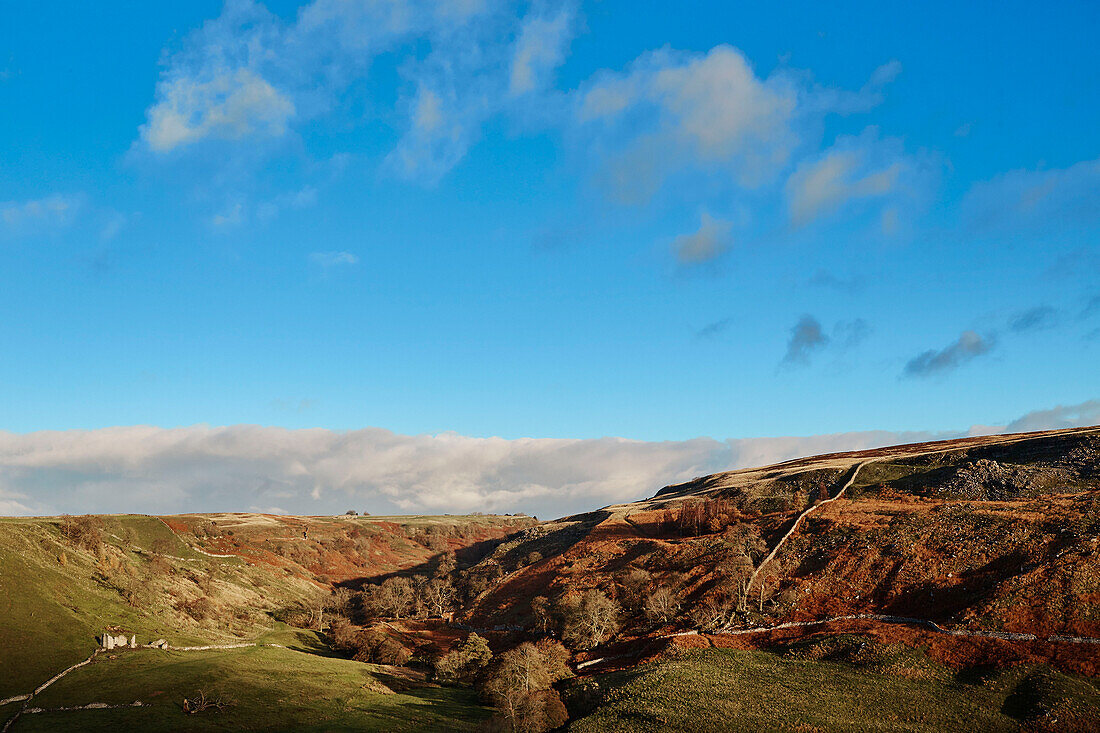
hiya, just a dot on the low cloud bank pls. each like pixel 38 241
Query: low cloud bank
pixel 249 468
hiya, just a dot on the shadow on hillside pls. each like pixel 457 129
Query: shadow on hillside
pixel 547 543
pixel 306 642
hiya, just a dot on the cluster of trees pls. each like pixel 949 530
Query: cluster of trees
pixel 518 682
pixel 418 597
pixel 694 517
pixel 583 621
pixel 84 532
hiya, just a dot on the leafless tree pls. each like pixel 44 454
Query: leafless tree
pixel 519 685
pixel 661 605
pixel 594 618
pixel 438 596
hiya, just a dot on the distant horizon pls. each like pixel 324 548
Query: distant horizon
pixel 321 472
pixel 472 240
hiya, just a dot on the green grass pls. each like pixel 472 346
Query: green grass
pixel 274 689
pixel 51 612
pixel 760 691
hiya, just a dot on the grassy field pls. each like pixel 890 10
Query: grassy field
pixel 759 691
pixel 54 601
pixel 56 597
pixel 273 689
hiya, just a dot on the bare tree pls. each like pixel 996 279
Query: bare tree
pixel 661 605
pixel 713 613
pixel 446 564
pixel 438 596
pixel 519 686
pixel 592 620
pixel 393 598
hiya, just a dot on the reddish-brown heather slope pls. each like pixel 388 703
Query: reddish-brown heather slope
pixel 992 534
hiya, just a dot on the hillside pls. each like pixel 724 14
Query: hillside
pixel 196 580
pixel 997 534
pixel 938 586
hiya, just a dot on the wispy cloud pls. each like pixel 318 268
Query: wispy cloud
pixel 807 337
pixel 714 329
pixel 967 347
pixel 825 279
pixel 846 172
pixel 705 244
pixel 540 48
pixel 38 216
pixel 1092 308
pixel 850 334
pixel 249 77
pixel 231 216
pixel 1031 200
pixel 1039 318
pixel 333 259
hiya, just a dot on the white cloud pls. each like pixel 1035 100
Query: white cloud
pixel 1062 416
pixel 681 109
pixel 705 244
pixel 332 259
pixel 854 168
pixel 1029 200
pixel 35 216
pixel 540 48
pixel 722 110
pixel 237 468
pixel 710 113
pixel 232 104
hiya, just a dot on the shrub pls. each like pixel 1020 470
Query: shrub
pixel 635 584
pixel 85 532
pixel 343 634
pixel 540 610
pixel 519 686
pixel 378 647
pixel 199 608
pixel 462 663
pixel 589 622
pixel 661 605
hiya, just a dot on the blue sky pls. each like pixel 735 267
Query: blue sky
pixel 572 220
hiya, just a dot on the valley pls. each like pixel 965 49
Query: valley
pixel 916 587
